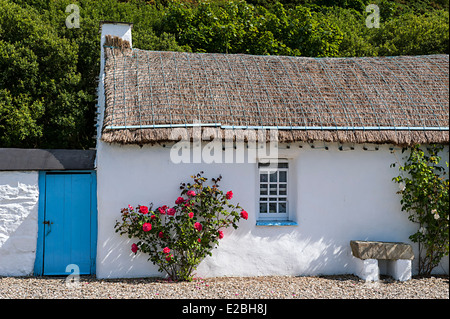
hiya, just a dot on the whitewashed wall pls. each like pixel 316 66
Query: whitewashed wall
pixel 338 196
pixel 19 195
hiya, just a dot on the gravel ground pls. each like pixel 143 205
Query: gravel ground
pixel 271 287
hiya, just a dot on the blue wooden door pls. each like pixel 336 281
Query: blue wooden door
pixel 67 224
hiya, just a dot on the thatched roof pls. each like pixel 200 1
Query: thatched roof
pixel 398 100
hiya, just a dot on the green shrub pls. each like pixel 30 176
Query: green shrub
pixel 424 188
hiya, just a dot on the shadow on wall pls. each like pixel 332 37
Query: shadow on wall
pixel 261 251
pixel 289 251
pixel 120 262
pixel 18 247
pixel 19 194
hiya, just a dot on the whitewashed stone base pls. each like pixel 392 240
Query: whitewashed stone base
pixel 368 269
pixel 400 269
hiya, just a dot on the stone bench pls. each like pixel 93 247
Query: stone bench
pixel 397 255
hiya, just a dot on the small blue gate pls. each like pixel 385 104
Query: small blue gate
pixel 67 232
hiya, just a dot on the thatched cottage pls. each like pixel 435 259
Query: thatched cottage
pixel 305 144
pixel 331 126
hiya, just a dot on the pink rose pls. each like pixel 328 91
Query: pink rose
pixel 166 250
pixel 143 209
pixel 162 210
pixel 229 195
pixel 180 200
pixel 161 234
pixel 147 227
pixel 220 234
pixel 130 207
pixel 171 211
pixel 134 248
pixel 244 214
pixel 198 226
pixel 190 193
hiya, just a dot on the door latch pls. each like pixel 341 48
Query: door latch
pixel 49 228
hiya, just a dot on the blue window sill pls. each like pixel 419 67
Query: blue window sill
pixel 276 223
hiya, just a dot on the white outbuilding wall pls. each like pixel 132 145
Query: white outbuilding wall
pixel 336 196
pixel 19 194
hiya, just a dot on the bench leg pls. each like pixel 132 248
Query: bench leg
pixel 399 269
pixel 367 269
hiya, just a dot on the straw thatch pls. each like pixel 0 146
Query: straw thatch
pixel 400 100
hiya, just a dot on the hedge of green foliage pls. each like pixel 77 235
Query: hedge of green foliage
pixel 48 71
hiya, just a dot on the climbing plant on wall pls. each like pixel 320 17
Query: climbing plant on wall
pixel 424 186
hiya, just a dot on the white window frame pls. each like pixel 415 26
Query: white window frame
pixel 281 196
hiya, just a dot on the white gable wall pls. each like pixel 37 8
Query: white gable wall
pixel 338 196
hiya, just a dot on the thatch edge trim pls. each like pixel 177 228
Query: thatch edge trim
pixel 162 135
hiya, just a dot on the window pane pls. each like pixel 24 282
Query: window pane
pixel 263 208
pixel 272 207
pixel 273 165
pixel 273 189
pixel 281 208
pixel 263 177
pixel 263 189
pixel 282 199
pixel 283 176
pixel 283 189
pixel 273 199
pixel 263 199
pixel 273 177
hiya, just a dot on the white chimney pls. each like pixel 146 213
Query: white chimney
pixel 117 29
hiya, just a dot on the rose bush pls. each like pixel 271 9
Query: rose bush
pixel 178 238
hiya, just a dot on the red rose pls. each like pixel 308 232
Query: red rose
pixel 191 193
pixel 198 226
pixel 134 248
pixel 191 215
pixel 161 234
pixel 180 200
pixel 171 211
pixel 143 209
pixel 166 250
pixel 244 214
pixel 153 217
pixel 199 240
pixel 220 234
pixel 169 257
pixel 229 195
pixel 147 227
pixel 162 210
pixel 130 207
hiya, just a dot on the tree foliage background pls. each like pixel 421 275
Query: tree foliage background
pixel 48 72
